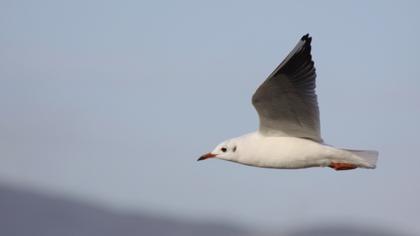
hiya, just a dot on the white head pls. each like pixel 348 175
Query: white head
pixel 227 150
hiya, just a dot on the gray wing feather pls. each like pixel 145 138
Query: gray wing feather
pixel 286 102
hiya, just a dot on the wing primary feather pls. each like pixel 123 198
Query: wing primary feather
pixel 286 102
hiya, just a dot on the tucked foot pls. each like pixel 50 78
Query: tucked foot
pixel 342 166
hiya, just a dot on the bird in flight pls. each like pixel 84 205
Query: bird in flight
pixel 289 132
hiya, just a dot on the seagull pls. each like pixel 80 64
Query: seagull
pixel 289 134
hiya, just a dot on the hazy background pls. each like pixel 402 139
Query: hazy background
pixel 112 102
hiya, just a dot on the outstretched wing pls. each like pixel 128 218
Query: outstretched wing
pixel 286 102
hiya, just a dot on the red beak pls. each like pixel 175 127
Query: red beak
pixel 206 156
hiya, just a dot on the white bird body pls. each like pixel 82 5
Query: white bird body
pixel 289 135
pixel 255 149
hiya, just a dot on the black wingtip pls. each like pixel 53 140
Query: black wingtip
pixel 306 38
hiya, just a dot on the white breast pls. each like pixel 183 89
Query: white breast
pixel 283 152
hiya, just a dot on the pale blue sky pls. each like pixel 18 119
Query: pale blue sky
pixel 113 101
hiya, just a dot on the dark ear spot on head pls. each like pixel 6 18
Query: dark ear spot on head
pixel 234 149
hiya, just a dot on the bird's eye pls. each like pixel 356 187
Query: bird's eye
pixel 223 149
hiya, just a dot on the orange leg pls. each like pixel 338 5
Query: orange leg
pixel 342 166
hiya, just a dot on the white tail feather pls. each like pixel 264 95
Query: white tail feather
pixel 370 156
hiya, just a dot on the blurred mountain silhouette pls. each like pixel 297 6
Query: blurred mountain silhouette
pixel 27 213
pixel 24 213
pixel 344 231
